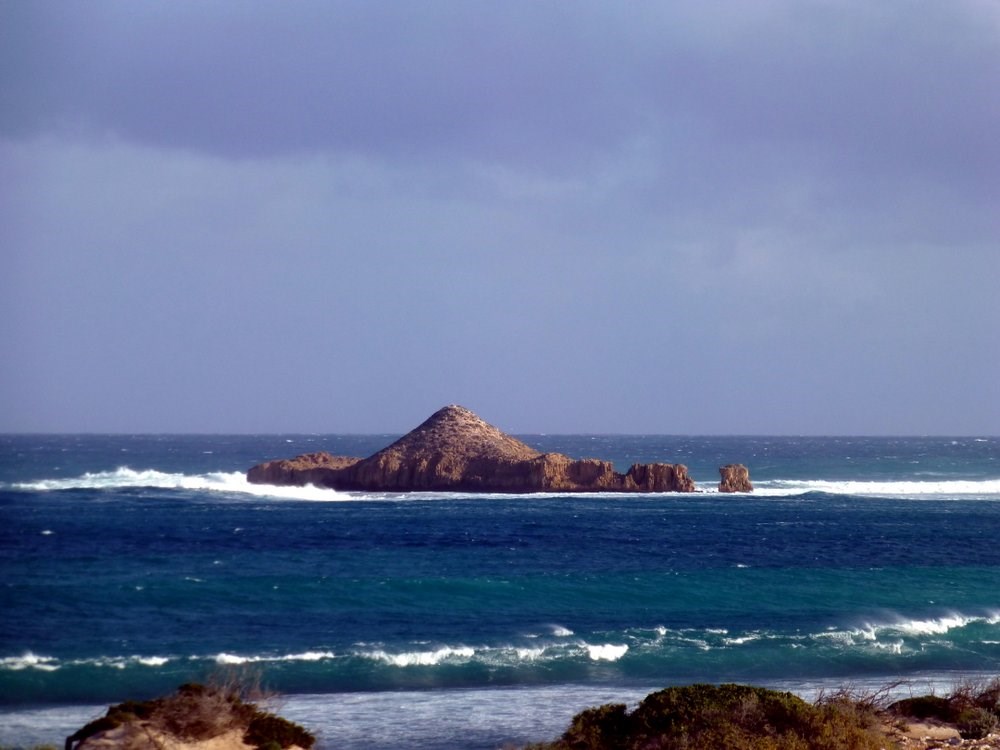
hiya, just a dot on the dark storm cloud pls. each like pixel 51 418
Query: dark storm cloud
pixel 877 86
pixel 736 102
pixel 770 217
pixel 257 79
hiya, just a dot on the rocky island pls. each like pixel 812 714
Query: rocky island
pixel 455 450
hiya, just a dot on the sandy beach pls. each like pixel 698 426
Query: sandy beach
pixel 929 735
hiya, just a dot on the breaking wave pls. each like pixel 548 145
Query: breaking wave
pixel 236 483
pixel 892 633
pixel 30 660
pixel 215 482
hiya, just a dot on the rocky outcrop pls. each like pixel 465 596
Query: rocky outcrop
pixel 645 477
pixel 452 449
pixel 319 469
pixel 455 450
pixel 735 478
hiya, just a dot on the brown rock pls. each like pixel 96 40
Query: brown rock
pixel 452 449
pixel 456 450
pixel 735 478
pixel 318 469
pixel 648 477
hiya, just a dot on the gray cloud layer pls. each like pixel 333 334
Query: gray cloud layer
pixel 683 217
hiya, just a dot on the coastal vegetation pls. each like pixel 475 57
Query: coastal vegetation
pixel 738 717
pixel 194 713
pixel 693 717
pixel 972 707
pixel 742 717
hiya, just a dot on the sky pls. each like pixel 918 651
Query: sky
pixel 777 217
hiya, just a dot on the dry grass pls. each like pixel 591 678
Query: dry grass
pixel 201 712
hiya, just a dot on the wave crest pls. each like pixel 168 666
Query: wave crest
pixel 893 636
pixel 125 477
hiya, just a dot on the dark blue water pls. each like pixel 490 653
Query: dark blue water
pixel 131 564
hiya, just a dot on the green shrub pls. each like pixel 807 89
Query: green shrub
pixel 267 729
pixel 975 723
pixel 924 707
pixel 601 727
pixel 736 717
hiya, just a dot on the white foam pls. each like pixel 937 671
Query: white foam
pixel 121 662
pixel 236 482
pixel 125 477
pixel 889 634
pixel 933 627
pixel 505 655
pixel 28 660
pixel 234 659
pixel 741 640
pixel 230 659
pixel 529 654
pixel 51 664
pixel 606 652
pixel 309 656
pixel 423 658
pixel 896 647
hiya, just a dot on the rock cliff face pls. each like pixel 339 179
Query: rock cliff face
pixel 456 450
pixel 735 478
pixel 319 469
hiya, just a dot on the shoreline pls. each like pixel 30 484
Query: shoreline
pixel 485 717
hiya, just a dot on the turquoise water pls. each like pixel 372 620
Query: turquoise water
pixel 132 564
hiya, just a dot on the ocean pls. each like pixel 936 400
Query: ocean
pixel 131 564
